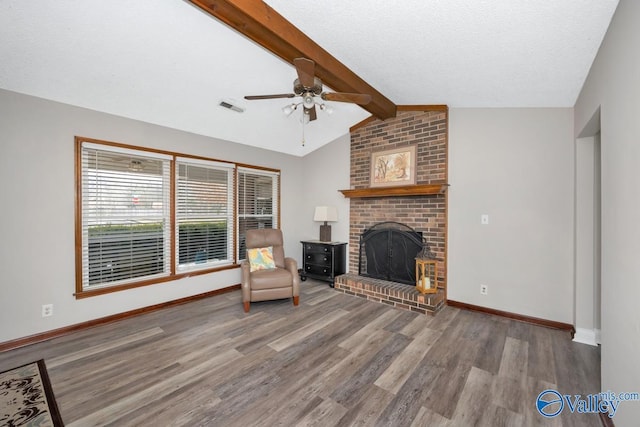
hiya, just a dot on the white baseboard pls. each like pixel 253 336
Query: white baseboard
pixel 587 336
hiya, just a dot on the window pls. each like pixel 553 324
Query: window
pixel 258 201
pixel 146 216
pixel 204 216
pixel 125 216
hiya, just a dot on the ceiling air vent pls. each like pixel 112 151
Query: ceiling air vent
pixel 230 105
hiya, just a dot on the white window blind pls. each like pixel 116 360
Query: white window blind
pixel 204 214
pixel 125 216
pixel 258 204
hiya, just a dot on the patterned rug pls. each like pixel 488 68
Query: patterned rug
pixel 26 397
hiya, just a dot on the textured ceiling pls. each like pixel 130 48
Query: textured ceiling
pixel 167 62
pixel 464 53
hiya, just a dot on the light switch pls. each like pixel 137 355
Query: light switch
pixel 484 219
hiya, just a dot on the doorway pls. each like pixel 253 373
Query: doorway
pixel 587 240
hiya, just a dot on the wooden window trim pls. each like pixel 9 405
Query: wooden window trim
pixel 81 293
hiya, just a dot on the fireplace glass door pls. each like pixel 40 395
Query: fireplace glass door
pixel 388 251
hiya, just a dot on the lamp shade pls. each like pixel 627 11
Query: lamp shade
pixel 325 213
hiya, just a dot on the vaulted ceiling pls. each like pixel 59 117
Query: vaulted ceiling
pixel 171 63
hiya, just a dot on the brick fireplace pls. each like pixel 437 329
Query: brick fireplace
pixel 426 127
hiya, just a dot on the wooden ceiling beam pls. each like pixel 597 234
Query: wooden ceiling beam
pixel 262 24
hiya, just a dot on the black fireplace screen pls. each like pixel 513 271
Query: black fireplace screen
pixel 388 251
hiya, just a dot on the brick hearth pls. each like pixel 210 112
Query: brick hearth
pixel 395 294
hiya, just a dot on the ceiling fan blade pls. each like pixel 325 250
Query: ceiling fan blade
pixel 356 98
pixel 312 113
pixel 306 70
pixel 282 95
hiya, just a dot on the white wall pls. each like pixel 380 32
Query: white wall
pixel 326 171
pixel 516 165
pixel 37 226
pixel 613 86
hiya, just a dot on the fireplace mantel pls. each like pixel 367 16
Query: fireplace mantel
pixel 396 191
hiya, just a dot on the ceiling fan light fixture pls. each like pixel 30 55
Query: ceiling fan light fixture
pixel 309 87
pixel 326 108
pixel 308 101
pixel 289 109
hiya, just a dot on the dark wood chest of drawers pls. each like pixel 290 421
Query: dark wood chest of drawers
pixel 323 260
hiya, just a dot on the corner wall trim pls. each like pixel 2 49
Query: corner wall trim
pixel 520 317
pixel 44 336
pixel 586 336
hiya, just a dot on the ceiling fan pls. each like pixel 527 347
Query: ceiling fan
pixel 308 86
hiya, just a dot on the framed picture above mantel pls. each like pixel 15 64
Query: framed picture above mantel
pixel 393 167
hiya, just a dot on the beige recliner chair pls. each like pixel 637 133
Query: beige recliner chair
pixel 283 281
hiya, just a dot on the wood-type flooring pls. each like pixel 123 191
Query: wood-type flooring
pixel 335 360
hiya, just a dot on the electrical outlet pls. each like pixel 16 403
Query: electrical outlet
pixel 484 219
pixel 47 310
pixel 484 289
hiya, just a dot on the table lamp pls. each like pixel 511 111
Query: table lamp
pixel 325 214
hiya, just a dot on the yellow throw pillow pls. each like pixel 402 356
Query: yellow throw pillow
pixel 261 259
